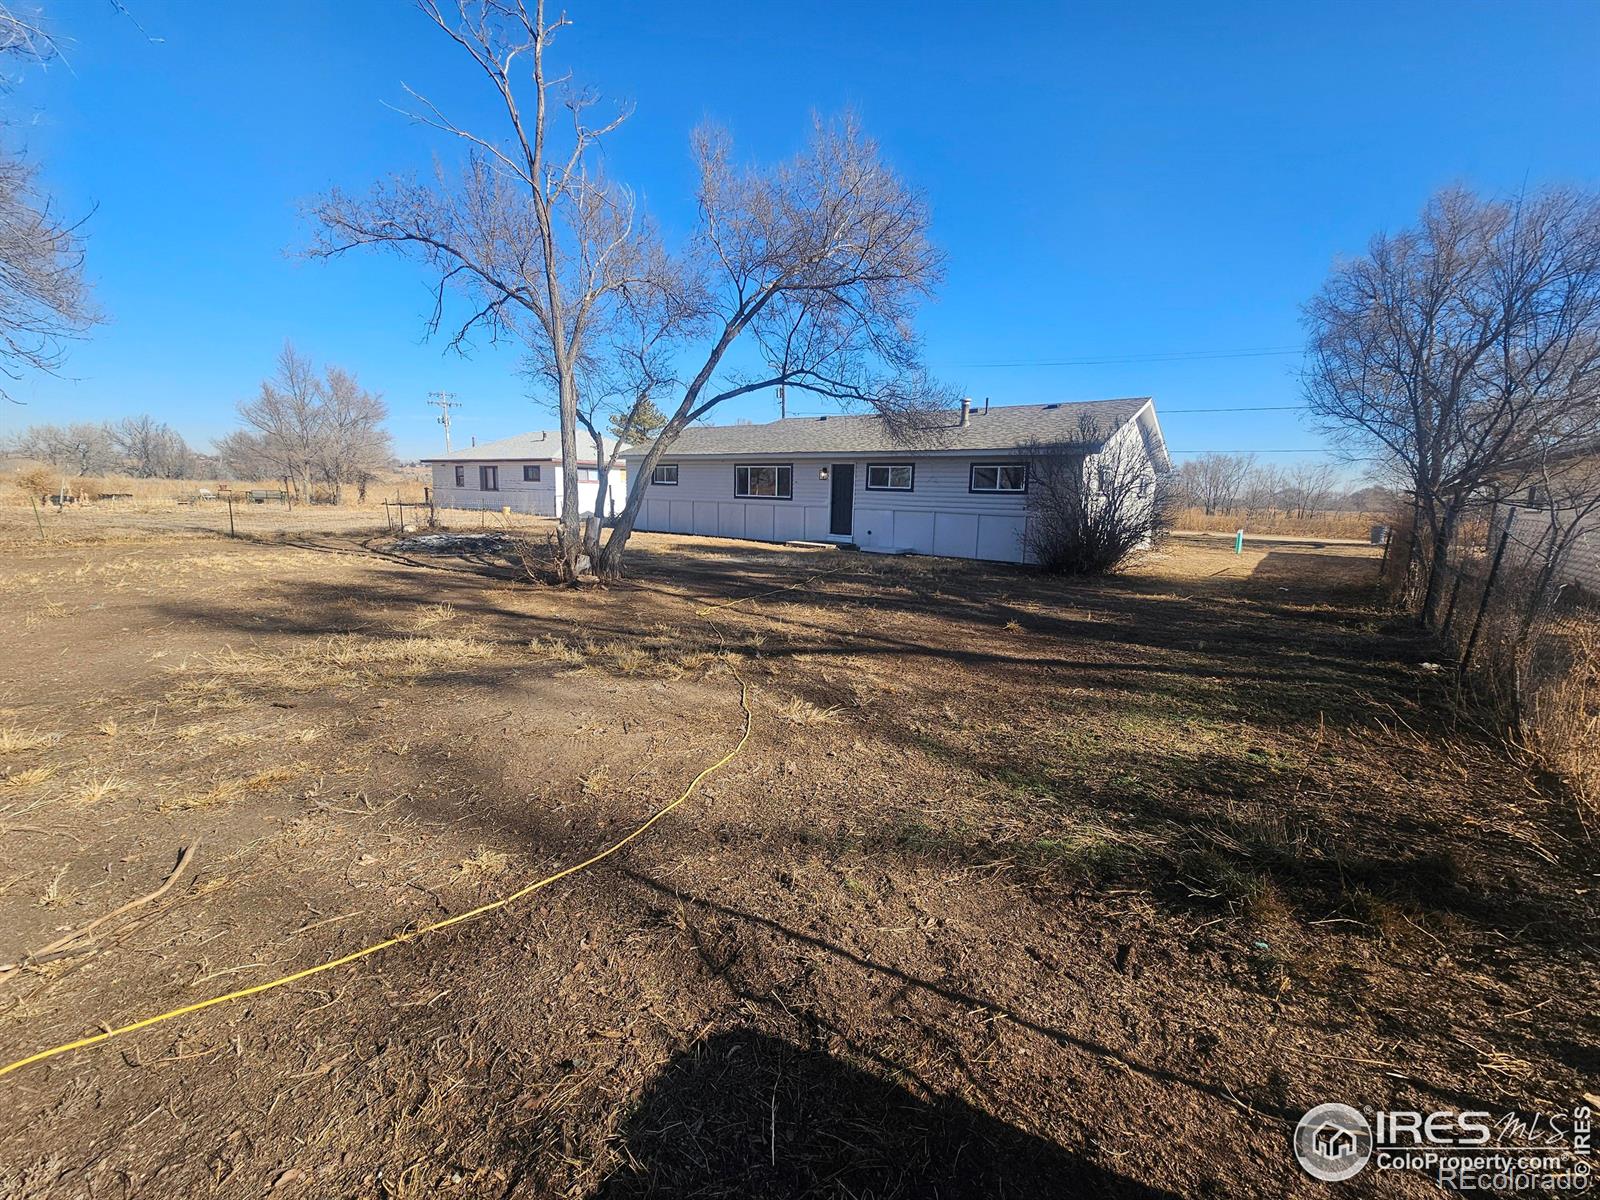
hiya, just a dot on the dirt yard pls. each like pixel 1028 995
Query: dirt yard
pixel 1021 888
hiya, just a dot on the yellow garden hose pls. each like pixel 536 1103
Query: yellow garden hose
pixel 397 939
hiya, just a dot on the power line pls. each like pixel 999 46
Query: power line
pixel 1172 356
pixel 1308 450
pixel 1258 408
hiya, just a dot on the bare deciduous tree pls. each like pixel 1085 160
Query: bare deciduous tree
pixel 151 449
pixel 1464 349
pixel 1089 513
pixel 352 446
pixel 44 302
pixel 283 440
pixel 539 241
pixel 1308 487
pixel 311 430
pixel 818 266
pixel 1214 482
pixel 811 269
pixel 1263 489
pixel 83 448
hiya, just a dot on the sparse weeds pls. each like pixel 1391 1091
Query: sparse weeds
pixel 798 711
pixel 97 788
pixel 483 864
pixel 52 892
pixel 16 740
pixel 344 659
pixel 225 790
pixel 658 655
pixel 1089 852
pixel 429 615
pixel 31 777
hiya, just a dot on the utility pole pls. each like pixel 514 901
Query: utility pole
pixel 445 402
pixel 783 409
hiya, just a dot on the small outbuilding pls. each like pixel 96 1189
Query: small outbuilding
pixel 958 488
pixel 523 473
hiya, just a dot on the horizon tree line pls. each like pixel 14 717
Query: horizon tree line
pixel 1225 484
pixel 321 432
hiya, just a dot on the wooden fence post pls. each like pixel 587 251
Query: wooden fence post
pixel 231 531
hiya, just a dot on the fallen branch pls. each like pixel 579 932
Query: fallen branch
pixel 58 948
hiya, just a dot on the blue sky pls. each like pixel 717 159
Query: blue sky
pixel 1110 181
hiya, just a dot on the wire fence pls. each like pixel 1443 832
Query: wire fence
pixel 1517 602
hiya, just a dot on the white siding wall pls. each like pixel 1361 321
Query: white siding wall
pixel 539 498
pixel 1530 535
pixel 1128 440
pixel 939 516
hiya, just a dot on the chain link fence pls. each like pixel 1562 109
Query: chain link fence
pixel 1519 609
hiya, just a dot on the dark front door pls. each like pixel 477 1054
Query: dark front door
pixel 842 520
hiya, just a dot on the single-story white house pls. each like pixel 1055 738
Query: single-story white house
pixel 960 489
pixel 522 473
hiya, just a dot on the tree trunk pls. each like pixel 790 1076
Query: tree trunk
pixel 571 536
pixel 591 530
pixel 1441 554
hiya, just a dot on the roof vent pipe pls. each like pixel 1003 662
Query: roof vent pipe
pixel 986 406
pixel 966 411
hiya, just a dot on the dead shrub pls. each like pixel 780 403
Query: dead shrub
pixel 539 559
pixel 1563 727
pixel 34 482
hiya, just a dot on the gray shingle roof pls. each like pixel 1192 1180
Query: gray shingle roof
pixel 1003 427
pixel 539 445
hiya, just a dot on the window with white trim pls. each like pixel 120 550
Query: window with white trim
pixel 771 481
pixel 488 479
pixel 998 477
pixel 461 477
pixel 891 477
pixel 530 473
pixel 665 475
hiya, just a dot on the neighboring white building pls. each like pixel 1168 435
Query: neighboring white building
pixel 522 473
pixel 960 491
pixel 1530 540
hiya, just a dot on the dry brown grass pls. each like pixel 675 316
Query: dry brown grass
pixel 342 659
pixel 31 777
pixel 227 789
pixel 483 864
pixel 663 654
pixel 1564 723
pixel 34 480
pixel 16 740
pixel 97 788
pixel 1328 525
pixel 798 711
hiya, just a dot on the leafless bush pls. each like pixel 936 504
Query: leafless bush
pixel 1089 512
pixel 538 558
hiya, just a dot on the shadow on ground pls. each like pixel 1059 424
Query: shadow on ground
pixel 746 1114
